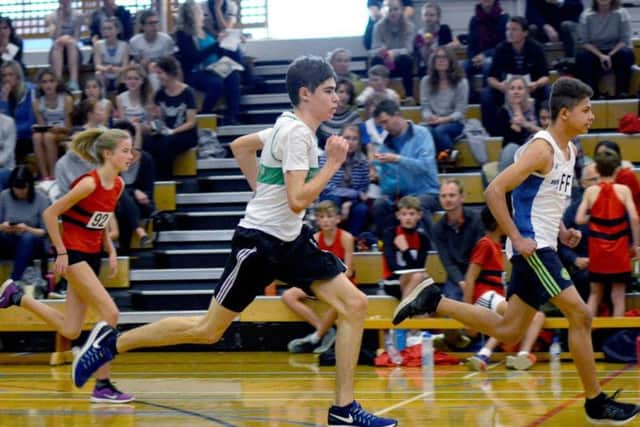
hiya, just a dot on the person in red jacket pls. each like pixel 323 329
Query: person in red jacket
pixel 85 212
pixel 610 211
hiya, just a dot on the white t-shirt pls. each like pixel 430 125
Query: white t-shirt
pixel 139 47
pixel 290 146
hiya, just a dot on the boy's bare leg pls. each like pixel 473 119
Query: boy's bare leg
pixel 295 298
pixel 351 306
pixel 618 299
pixel 328 321
pixel 409 281
pixel 580 346
pixel 508 328
pixel 205 329
pixel 532 332
pixel 595 297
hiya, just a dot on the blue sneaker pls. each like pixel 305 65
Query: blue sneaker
pixel 354 415
pixel 99 349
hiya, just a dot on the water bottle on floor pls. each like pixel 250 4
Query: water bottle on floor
pixel 391 349
pixel 427 349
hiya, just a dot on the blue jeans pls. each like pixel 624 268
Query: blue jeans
pixel 4 178
pixel 445 134
pixel 452 290
pixel 214 87
pixel 357 215
pixel 23 248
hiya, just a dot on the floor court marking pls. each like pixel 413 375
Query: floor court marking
pixel 187 412
pixel 564 405
pixel 230 416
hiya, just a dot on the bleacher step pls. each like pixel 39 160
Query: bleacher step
pixel 195 236
pixel 219 198
pixel 208 220
pixel 161 274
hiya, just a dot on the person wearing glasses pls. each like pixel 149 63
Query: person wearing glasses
pixel 145 48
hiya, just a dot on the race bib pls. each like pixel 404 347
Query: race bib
pixel 99 220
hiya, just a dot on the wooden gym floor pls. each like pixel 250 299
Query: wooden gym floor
pixel 279 389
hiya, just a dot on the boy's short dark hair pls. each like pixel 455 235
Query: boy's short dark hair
pixel 410 202
pixel 307 71
pixel 126 126
pixel 169 65
pixel 388 106
pixel 489 221
pixel 520 20
pixel 567 92
pixel 326 207
pixel 607 161
pixel 378 71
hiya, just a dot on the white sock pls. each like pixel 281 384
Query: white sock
pixel 523 353
pixel 314 337
pixel 484 351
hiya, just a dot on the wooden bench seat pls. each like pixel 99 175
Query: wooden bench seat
pixel 16 319
pixel 272 309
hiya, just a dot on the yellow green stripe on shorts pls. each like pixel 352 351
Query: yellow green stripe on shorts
pixel 543 274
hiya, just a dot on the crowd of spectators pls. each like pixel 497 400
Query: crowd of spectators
pixel 151 80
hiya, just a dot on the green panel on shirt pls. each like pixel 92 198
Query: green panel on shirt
pixel 274 176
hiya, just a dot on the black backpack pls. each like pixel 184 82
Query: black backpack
pixel 621 346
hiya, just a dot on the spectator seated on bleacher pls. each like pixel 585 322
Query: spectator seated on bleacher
pixel 375 15
pixel 393 45
pixel 348 187
pixel 64 26
pixel 11 46
pixel 175 129
pixel 405 248
pixel 16 101
pixel 146 48
pixel 68 167
pixel 487 28
pixel 555 21
pixel 340 60
pixel 430 35
pixel 7 149
pixel 52 107
pixel 94 91
pixel 516 120
pixel 87 114
pixel 198 52
pixel 340 243
pixel 444 93
pixel 455 235
pixel 220 15
pixel 605 33
pixel 109 9
pixel 22 231
pixel 110 55
pixel 576 260
pixel 377 83
pixel 405 166
pixel 136 201
pixel 135 104
pixel 345 114
pixel 372 135
pixel 609 210
pixel 518 55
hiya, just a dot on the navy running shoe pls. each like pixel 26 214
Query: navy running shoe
pixel 99 349
pixel 355 415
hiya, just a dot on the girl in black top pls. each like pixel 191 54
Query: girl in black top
pixel 175 127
